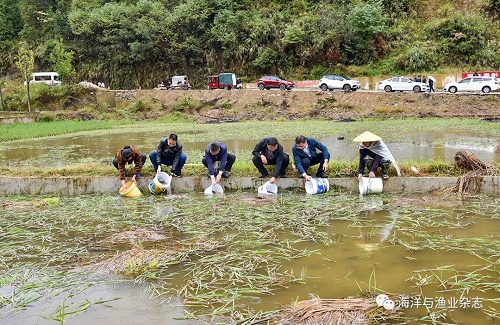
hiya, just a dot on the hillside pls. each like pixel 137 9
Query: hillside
pixel 219 106
pixel 132 43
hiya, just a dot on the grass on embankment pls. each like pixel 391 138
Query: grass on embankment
pixel 437 168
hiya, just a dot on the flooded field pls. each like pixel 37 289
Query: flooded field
pixel 413 144
pixel 190 259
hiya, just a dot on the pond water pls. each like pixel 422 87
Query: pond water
pixel 226 258
pixel 63 150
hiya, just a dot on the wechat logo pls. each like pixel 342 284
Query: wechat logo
pixel 385 301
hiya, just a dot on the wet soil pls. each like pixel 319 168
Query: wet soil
pixel 215 106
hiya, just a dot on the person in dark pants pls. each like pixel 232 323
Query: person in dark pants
pixel 373 153
pixel 169 153
pixel 431 85
pixel 305 156
pixel 217 152
pixel 129 155
pixel 270 152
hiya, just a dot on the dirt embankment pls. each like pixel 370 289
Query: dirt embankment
pixel 234 105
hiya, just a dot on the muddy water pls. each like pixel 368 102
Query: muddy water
pixel 409 245
pixel 64 150
pixel 134 306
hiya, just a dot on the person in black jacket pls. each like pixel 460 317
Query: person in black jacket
pixel 169 153
pixel 270 152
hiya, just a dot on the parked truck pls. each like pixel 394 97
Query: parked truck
pixel 179 82
pixel 225 81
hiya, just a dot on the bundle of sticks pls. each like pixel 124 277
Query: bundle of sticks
pixel 475 169
pixel 316 311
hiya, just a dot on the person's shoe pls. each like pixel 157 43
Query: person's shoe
pixel 208 175
pixel 283 176
pixel 322 175
pixel 177 175
pixel 224 175
pixel 263 176
pixel 301 176
pixel 385 176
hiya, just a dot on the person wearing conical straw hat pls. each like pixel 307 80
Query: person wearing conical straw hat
pixel 373 153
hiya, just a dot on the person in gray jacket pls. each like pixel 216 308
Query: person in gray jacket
pixel 169 153
pixel 270 152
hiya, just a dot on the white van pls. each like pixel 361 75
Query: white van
pixel 179 82
pixel 49 78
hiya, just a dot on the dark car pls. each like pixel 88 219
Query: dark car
pixel 268 82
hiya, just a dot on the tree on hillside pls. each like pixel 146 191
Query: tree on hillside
pixel 494 8
pixel 10 26
pixel 36 16
pixel 62 61
pixel 365 25
pixel 120 42
pixel 464 38
pixel 25 63
pixel 1 95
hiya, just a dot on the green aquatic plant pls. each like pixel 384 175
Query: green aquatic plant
pixel 221 254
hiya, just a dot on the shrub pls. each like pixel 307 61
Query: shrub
pixel 47 117
pixel 226 104
pixel 417 58
pixel 140 106
pixel 186 103
pixel 461 37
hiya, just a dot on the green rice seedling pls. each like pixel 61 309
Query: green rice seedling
pixel 220 255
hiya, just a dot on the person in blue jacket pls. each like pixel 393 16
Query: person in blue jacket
pixel 305 156
pixel 217 152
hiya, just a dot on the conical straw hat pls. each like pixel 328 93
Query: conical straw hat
pixel 367 136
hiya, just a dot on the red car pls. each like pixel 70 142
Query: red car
pixel 268 82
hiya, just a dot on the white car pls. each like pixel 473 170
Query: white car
pixel 482 84
pixel 402 84
pixel 48 78
pixel 331 82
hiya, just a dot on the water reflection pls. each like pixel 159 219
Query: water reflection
pixel 58 151
pixel 133 306
pixel 380 242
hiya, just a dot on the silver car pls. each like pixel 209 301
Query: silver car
pixel 402 84
pixel 331 82
pixel 482 84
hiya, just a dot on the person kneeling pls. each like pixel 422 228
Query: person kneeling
pixel 373 153
pixel 217 152
pixel 169 153
pixel 129 155
pixel 270 152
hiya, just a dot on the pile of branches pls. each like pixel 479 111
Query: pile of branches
pixel 353 311
pixel 475 169
pixel 134 259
